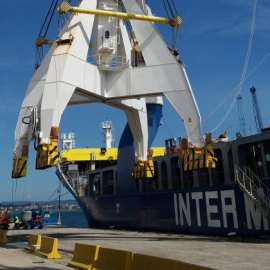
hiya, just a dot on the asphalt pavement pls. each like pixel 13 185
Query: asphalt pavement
pixel 213 252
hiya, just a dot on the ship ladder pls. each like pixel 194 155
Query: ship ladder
pixel 254 188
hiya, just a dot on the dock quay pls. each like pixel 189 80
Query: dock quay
pixel 212 252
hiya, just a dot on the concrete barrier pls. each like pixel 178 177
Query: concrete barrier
pixel 147 262
pixel 189 266
pixel 3 236
pixel 113 259
pixel 91 257
pixel 34 240
pixel 84 256
pixel 49 248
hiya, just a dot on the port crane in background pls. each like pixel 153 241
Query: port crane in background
pixel 241 117
pixel 256 109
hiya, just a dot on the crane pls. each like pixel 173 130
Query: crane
pixel 256 109
pixel 64 77
pixel 241 116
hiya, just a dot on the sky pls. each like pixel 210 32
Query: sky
pixel 213 42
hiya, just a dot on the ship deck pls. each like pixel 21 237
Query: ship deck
pixel 214 252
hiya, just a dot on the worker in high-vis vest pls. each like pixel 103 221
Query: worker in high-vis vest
pixel 16 223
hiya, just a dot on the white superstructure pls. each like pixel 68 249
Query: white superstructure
pixel 108 133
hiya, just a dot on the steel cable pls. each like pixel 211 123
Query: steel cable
pixel 244 69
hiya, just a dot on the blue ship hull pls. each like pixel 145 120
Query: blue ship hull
pixel 213 210
pixel 194 201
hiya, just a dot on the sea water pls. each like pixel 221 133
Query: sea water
pixel 70 218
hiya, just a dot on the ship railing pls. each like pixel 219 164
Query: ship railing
pixel 117 62
pixel 254 187
pixel 83 174
pixel 74 179
pixel 78 185
pixel 63 178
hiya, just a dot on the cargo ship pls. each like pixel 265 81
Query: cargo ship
pixel 230 199
pixel 192 184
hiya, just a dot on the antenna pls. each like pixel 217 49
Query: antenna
pixel 256 109
pixel 241 116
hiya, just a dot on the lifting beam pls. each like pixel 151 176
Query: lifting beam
pixel 66 7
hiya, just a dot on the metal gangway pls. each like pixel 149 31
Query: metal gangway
pixel 254 188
